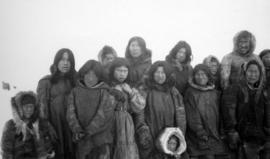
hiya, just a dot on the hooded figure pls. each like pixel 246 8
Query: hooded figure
pixel 246 112
pixel 106 56
pixel 265 57
pixel 128 112
pixel 203 118
pixel 180 57
pixel 90 113
pixel 213 64
pixel 27 136
pixel 52 92
pixel 140 60
pixel 164 106
pixel 243 51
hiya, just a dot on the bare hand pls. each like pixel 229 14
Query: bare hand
pixel 118 87
pixel 126 88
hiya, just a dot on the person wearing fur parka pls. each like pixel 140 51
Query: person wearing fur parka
pixel 106 56
pixel 52 93
pixel 203 118
pixel 213 64
pixel 246 113
pixel 128 111
pixel 164 108
pixel 243 51
pixel 90 113
pixel 140 60
pixel 179 58
pixel 27 136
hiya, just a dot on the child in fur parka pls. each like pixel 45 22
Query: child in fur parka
pixel 128 112
pixel 27 136
pixel 203 117
pixel 90 113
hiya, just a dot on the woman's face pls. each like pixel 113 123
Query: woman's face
pixel 90 79
pixel 28 110
pixel 252 74
pixel 213 66
pixel 121 73
pixel 159 75
pixel 266 60
pixel 135 49
pixel 201 78
pixel 108 59
pixel 181 55
pixel 64 64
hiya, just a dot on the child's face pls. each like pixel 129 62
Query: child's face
pixel 213 66
pixel 266 60
pixel 159 75
pixel 121 73
pixel 64 64
pixel 181 55
pixel 28 110
pixel 108 59
pixel 135 49
pixel 201 78
pixel 252 74
pixel 90 79
pixel 172 144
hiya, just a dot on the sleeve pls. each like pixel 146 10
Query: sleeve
pixel 137 103
pixel 71 115
pixel 105 114
pixel 47 143
pixel 228 108
pixel 137 99
pixel 225 71
pixel 267 115
pixel 180 113
pixel 7 141
pixel 43 97
pixel 194 121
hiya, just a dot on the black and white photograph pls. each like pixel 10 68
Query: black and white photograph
pixel 135 79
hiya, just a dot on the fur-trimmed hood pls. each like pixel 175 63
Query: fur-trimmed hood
pixel 207 88
pixel 245 34
pixel 244 68
pixel 209 58
pixel 17 112
pixel 104 50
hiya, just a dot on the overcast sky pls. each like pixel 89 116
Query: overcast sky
pixel 32 31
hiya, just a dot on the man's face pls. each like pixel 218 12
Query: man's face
pixel 244 45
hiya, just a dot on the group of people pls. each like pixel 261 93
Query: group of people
pixel 121 108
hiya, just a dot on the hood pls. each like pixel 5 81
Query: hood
pixel 17 106
pixel 243 71
pixel 245 34
pixel 146 57
pixel 105 50
pixel 205 69
pixel 208 59
pixel 245 85
pixel 17 112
